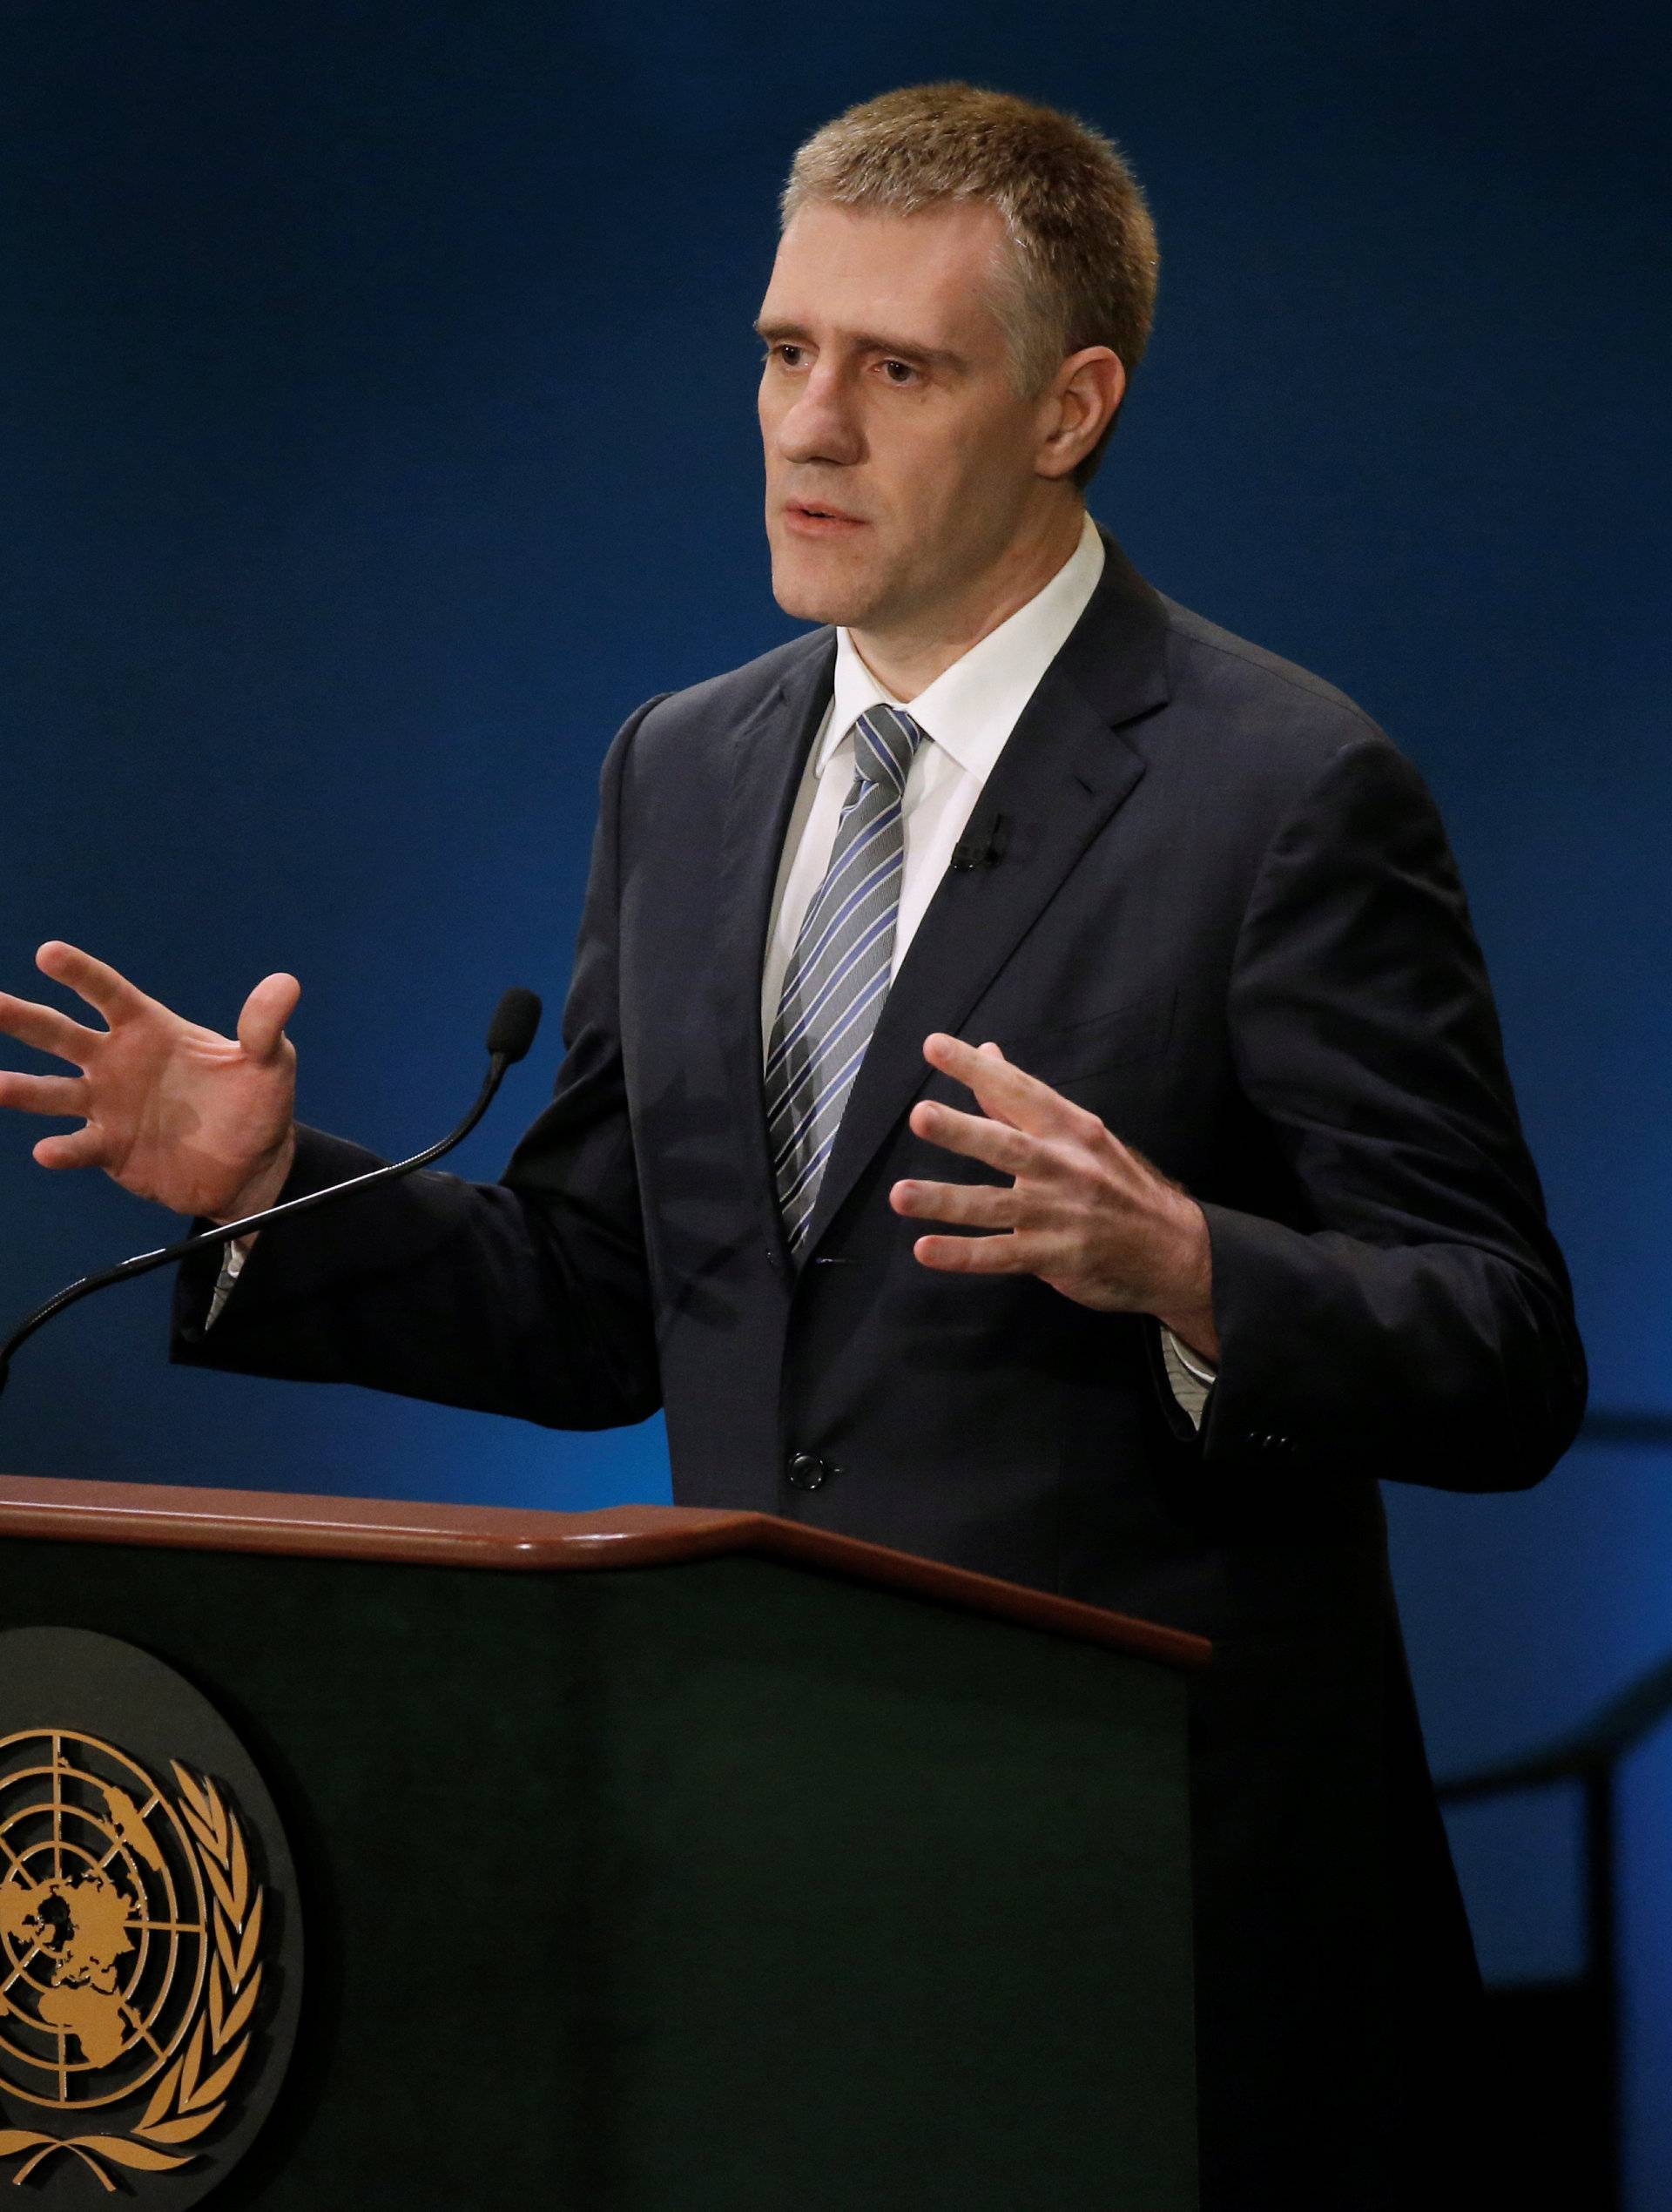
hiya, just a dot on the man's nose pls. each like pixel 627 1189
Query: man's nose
pixel 822 424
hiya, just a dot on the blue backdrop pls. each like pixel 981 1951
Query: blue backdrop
pixel 376 423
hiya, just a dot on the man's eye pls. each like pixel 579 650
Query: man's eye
pixel 906 374
pixel 783 353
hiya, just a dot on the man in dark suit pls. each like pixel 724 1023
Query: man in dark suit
pixel 1031 1097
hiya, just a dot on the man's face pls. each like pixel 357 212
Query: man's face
pixel 900 461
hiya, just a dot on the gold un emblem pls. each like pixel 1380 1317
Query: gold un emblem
pixel 130 1953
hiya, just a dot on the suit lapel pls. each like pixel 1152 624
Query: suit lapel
pixel 769 751
pixel 1062 774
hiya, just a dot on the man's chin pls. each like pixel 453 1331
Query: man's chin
pixel 822 589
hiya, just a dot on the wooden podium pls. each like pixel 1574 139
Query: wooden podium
pixel 675 1861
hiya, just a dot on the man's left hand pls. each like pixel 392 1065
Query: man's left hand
pixel 1084 1212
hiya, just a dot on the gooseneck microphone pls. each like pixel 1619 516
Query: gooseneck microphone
pixel 509 1035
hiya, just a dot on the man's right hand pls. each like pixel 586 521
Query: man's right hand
pixel 200 1122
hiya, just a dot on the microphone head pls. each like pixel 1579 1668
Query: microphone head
pixel 511 1031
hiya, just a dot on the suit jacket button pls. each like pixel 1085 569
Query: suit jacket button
pixel 806 1471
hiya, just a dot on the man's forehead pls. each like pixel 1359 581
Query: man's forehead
pixel 859 270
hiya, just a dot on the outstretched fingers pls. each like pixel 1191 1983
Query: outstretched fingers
pixel 996 1144
pixel 270 1005
pixel 82 1147
pixel 43 1093
pixel 1002 1090
pixel 1017 1254
pixel 45 1028
pixel 90 979
pixel 975 1205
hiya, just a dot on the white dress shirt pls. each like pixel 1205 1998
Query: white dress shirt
pixel 966 716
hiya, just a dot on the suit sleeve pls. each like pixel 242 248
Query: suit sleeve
pixel 1419 1324
pixel 528 1296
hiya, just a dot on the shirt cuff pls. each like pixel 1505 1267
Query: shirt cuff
pixel 1189 1373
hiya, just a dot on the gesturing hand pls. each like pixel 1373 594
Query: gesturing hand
pixel 198 1122
pixel 1084 1212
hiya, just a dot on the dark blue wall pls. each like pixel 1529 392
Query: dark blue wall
pixel 376 424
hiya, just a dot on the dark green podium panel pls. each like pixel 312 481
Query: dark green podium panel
pixel 732 1884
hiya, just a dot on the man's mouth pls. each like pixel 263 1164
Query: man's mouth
pixel 807 515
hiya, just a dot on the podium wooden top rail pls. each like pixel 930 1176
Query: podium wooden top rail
pixel 506 1539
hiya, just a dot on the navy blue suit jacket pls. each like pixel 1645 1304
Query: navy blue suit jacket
pixel 1226 918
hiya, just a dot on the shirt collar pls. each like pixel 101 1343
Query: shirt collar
pixel 972 707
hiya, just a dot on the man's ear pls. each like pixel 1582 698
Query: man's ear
pixel 1081 403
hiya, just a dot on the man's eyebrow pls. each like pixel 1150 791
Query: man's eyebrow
pixel 866 341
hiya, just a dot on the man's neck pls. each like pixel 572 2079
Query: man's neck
pixel 906 660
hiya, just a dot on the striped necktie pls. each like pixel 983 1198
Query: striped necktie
pixel 838 970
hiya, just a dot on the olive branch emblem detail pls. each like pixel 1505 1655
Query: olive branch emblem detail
pixel 192 2093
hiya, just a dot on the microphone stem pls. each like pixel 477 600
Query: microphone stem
pixel 143 1263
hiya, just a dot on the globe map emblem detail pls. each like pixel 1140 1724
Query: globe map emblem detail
pixel 131 1955
pixel 151 1952
pixel 103 1921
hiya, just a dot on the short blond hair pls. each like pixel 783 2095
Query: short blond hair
pixel 1084 265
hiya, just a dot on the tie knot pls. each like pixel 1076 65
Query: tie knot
pixel 885 738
